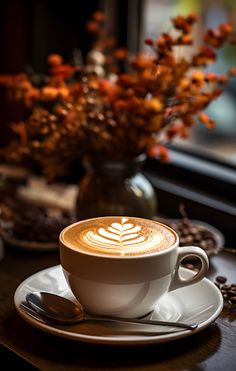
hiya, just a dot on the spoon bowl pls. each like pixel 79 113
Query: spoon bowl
pixel 63 311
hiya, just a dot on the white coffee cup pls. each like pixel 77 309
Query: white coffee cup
pixel 121 266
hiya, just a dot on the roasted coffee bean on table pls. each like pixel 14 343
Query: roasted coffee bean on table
pixel 228 290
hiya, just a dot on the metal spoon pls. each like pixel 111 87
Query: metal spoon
pixel 63 311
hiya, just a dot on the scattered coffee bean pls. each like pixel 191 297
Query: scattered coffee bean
pixel 232 300
pixel 227 290
pixel 231 293
pixel 221 279
pixel 226 287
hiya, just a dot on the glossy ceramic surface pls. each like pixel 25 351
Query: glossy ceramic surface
pixel 201 303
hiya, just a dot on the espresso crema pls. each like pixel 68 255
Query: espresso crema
pixel 118 236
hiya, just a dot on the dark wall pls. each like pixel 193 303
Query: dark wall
pixel 30 30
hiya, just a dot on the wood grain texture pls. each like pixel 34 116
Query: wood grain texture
pixel 210 349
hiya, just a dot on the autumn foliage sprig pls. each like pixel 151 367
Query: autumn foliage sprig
pixel 99 110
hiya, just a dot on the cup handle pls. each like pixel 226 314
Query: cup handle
pixel 183 252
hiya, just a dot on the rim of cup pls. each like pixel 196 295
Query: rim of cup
pixel 63 243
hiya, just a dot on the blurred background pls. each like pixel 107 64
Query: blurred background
pixel 30 30
pixel 202 170
pixel 221 143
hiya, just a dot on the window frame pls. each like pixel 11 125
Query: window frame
pixel 206 196
pixel 206 186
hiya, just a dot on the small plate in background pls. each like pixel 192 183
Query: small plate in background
pixel 29 245
pixel 218 235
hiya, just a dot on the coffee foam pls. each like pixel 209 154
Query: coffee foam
pixel 119 236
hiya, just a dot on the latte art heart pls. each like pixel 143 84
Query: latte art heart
pixel 120 236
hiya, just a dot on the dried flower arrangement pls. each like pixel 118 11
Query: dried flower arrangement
pixel 98 109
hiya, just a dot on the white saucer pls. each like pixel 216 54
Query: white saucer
pixel 201 303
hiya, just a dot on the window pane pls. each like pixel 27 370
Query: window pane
pixel 219 143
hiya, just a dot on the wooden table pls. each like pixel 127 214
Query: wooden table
pixel 25 347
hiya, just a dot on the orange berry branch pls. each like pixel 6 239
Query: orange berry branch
pixel 117 105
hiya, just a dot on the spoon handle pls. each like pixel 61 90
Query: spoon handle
pixel 37 317
pixel 190 326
